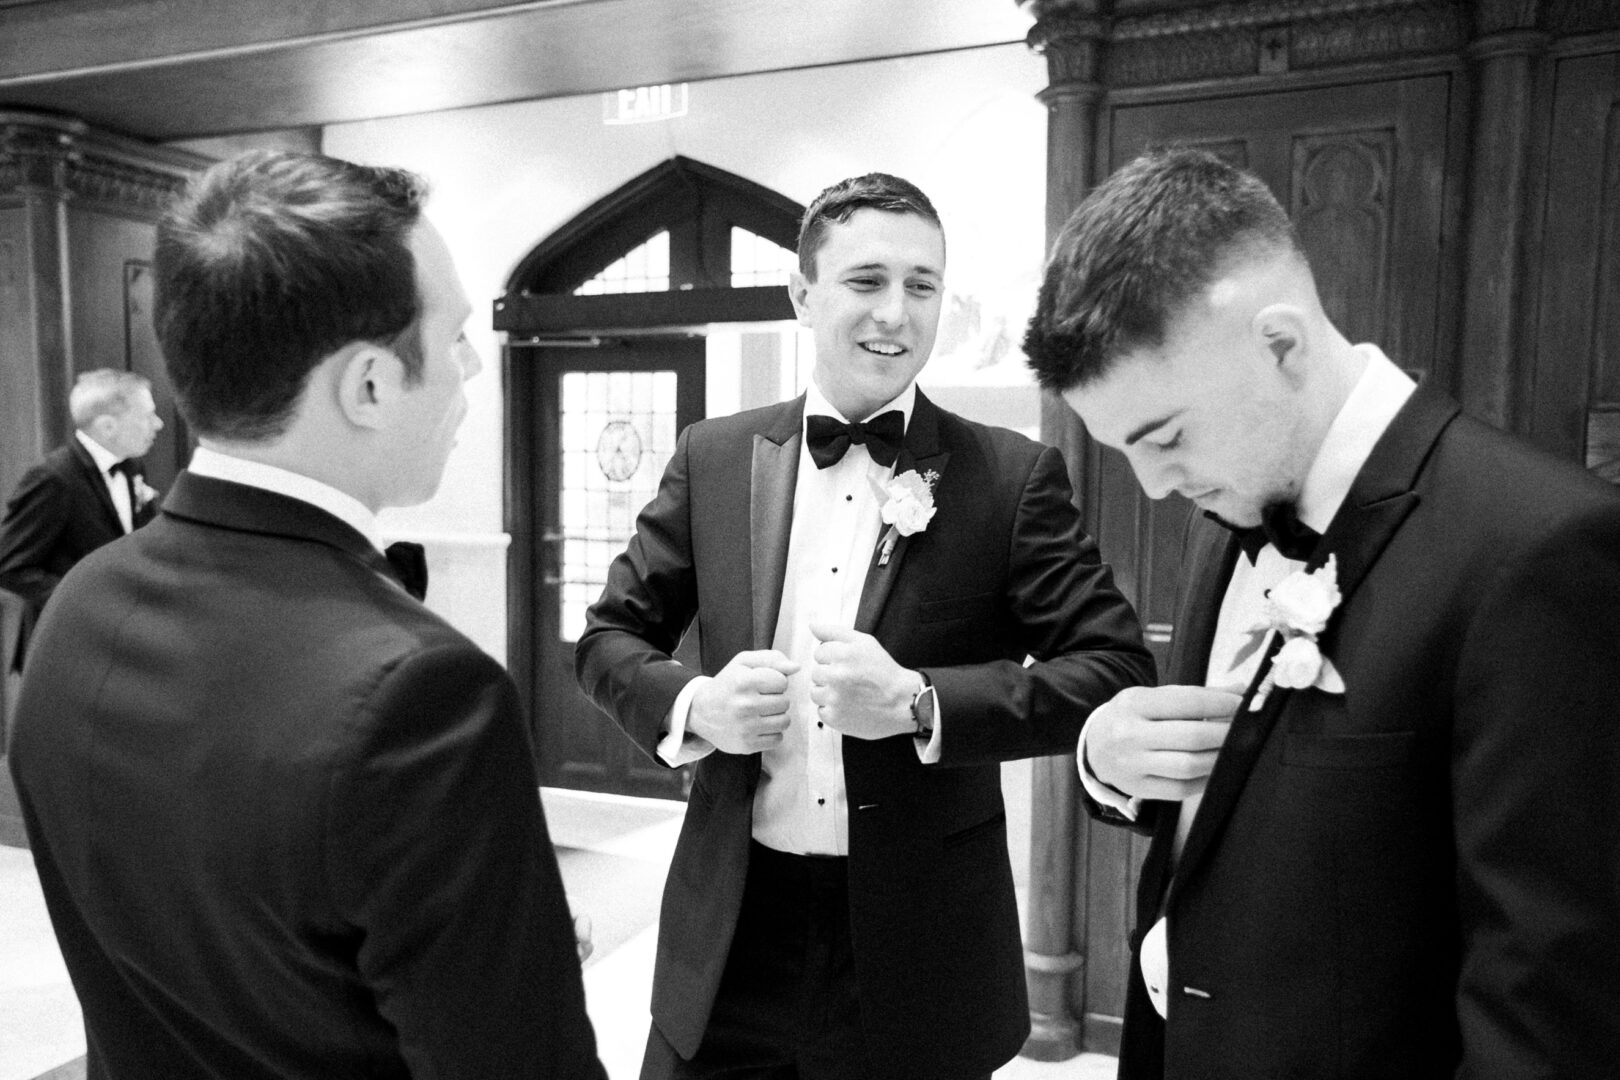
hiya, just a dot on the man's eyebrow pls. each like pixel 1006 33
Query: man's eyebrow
pixel 867 268
pixel 1148 428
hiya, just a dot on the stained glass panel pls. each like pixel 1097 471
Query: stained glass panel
pixel 757 261
pixel 642 269
pixel 618 433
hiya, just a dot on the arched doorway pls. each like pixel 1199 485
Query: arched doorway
pixel 603 365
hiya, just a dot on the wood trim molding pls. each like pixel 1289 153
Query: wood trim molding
pixel 69 157
pixel 1272 37
pixel 532 315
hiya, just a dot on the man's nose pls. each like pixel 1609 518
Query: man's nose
pixel 891 307
pixel 1157 479
pixel 471 362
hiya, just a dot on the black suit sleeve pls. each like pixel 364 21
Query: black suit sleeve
pixel 438 854
pixel 1535 772
pixel 35 517
pixel 1082 634
pixel 623 659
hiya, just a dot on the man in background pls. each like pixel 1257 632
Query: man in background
pixel 285 818
pixel 86 493
pixel 870 573
pixel 1381 777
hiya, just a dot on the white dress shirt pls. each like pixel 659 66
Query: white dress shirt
pixel 341 505
pixel 1378 395
pixel 801 805
pixel 118 485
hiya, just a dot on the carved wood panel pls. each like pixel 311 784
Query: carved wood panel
pixel 1574 406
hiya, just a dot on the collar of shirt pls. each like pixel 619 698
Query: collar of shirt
pixel 346 508
pixel 104 458
pixel 816 404
pixel 1378 395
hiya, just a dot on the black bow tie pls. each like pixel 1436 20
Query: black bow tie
pixel 830 437
pixel 410 564
pixel 1281 528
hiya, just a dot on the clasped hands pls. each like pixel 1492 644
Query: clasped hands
pixel 1158 742
pixel 857 687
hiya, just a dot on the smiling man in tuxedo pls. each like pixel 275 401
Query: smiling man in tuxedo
pixel 285 817
pixel 870 573
pixel 86 493
pixel 1380 779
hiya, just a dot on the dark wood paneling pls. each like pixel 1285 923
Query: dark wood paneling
pixel 112 318
pixel 1578 312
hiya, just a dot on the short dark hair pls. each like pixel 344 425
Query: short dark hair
pixel 267 264
pixel 874 191
pixel 1136 250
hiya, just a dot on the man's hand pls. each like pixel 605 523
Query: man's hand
pixel 858 688
pixel 744 709
pixel 1158 742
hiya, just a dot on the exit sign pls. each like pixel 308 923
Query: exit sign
pixel 640 104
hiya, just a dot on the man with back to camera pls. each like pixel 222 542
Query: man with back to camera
pixel 285 817
pixel 840 903
pixel 1396 851
pixel 84 494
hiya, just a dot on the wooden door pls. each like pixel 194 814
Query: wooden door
pixel 1362 169
pixel 602 423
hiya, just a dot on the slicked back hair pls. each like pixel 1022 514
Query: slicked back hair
pixel 269 263
pixel 874 191
pixel 1140 246
pixel 104 392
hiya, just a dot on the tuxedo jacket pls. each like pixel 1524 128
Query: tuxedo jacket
pixel 1003 571
pixel 59 513
pixel 1419 877
pixel 285 818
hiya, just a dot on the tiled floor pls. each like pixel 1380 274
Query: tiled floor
pixel 614 854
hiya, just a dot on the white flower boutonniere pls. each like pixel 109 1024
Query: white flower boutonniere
pixel 1298 608
pixel 144 493
pixel 908 507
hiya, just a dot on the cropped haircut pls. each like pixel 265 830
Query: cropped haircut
pixel 104 392
pixel 1140 246
pixel 874 191
pixel 269 263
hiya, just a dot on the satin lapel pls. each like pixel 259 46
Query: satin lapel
pixel 98 487
pixel 773 474
pixel 1210 552
pixel 920 452
pixel 1379 500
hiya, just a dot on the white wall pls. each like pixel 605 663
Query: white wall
pixel 964 126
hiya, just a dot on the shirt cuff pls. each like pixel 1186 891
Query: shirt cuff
pixel 928 752
pixel 678 748
pixel 1107 796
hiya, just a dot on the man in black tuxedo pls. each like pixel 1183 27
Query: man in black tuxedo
pixel 840 903
pixel 83 495
pixel 285 817
pixel 1381 781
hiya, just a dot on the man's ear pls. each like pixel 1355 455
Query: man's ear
pixel 102 427
pixel 368 379
pixel 799 293
pixel 1282 330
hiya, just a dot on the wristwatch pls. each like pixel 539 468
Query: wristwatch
pixel 922 709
